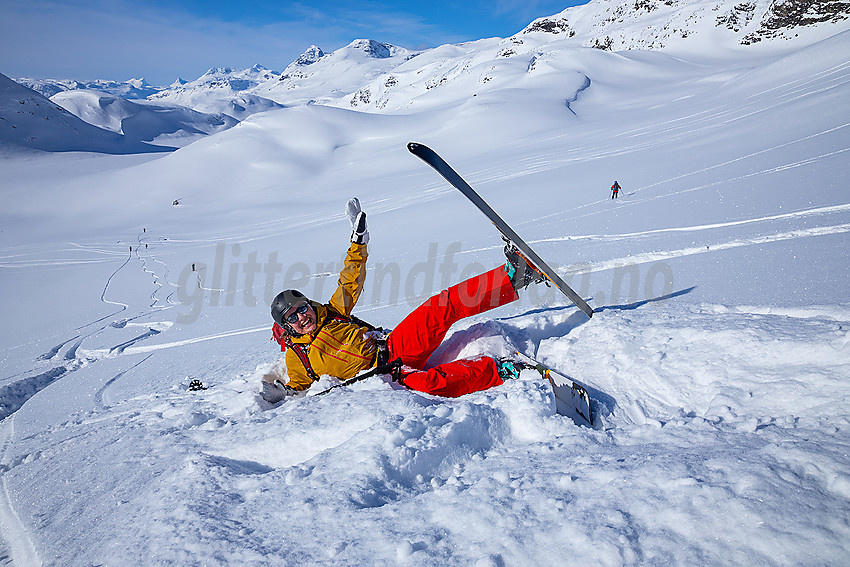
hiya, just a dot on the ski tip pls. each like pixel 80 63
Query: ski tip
pixel 416 148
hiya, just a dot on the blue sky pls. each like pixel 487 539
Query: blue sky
pixel 163 39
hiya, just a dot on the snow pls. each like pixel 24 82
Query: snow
pixel 144 121
pixel 718 357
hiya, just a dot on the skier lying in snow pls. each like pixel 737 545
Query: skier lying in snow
pixel 325 339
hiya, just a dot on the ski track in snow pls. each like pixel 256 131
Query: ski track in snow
pixel 154 299
pixel 99 395
pixel 15 532
pixel 18 391
pixel 123 306
pixel 690 251
pixel 815 211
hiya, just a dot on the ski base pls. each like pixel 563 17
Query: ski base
pixel 571 398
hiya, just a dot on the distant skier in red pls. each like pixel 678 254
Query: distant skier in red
pixel 615 190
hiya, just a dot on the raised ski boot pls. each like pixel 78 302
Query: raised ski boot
pixel 520 269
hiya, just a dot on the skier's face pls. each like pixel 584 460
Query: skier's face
pixel 302 318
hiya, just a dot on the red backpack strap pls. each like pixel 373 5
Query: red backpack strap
pixel 301 352
pixel 279 335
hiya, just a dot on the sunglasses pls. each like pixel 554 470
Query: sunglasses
pixel 293 317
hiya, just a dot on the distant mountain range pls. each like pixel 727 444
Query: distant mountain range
pixel 372 76
pixel 134 88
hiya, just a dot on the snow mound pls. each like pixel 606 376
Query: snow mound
pixel 690 430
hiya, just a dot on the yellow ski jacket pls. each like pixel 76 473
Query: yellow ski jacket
pixel 339 347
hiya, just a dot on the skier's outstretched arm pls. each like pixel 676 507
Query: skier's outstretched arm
pixel 353 273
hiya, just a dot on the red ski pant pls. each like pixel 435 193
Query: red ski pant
pixel 421 332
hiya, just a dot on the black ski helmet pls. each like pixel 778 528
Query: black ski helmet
pixel 283 303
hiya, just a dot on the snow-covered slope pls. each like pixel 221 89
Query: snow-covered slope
pixel 142 120
pixel 717 358
pixel 700 30
pixel 695 26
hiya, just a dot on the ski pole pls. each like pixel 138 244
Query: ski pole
pixel 393 368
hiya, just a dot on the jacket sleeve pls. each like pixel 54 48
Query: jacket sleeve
pixel 351 279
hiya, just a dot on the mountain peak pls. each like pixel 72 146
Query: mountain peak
pixel 138 83
pixel 313 54
pixel 217 71
pixel 373 48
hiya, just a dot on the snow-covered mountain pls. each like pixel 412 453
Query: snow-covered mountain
pixel 377 77
pixel 222 91
pixel 701 29
pixel 30 120
pixel 693 25
pixel 170 117
pixel 321 77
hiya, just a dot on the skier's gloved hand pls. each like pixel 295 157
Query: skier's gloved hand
pixel 275 391
pixel 357 218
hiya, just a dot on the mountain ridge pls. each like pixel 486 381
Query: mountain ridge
pixel 372 76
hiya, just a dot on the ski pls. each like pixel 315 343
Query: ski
pixel 571 398
pixel 430 157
